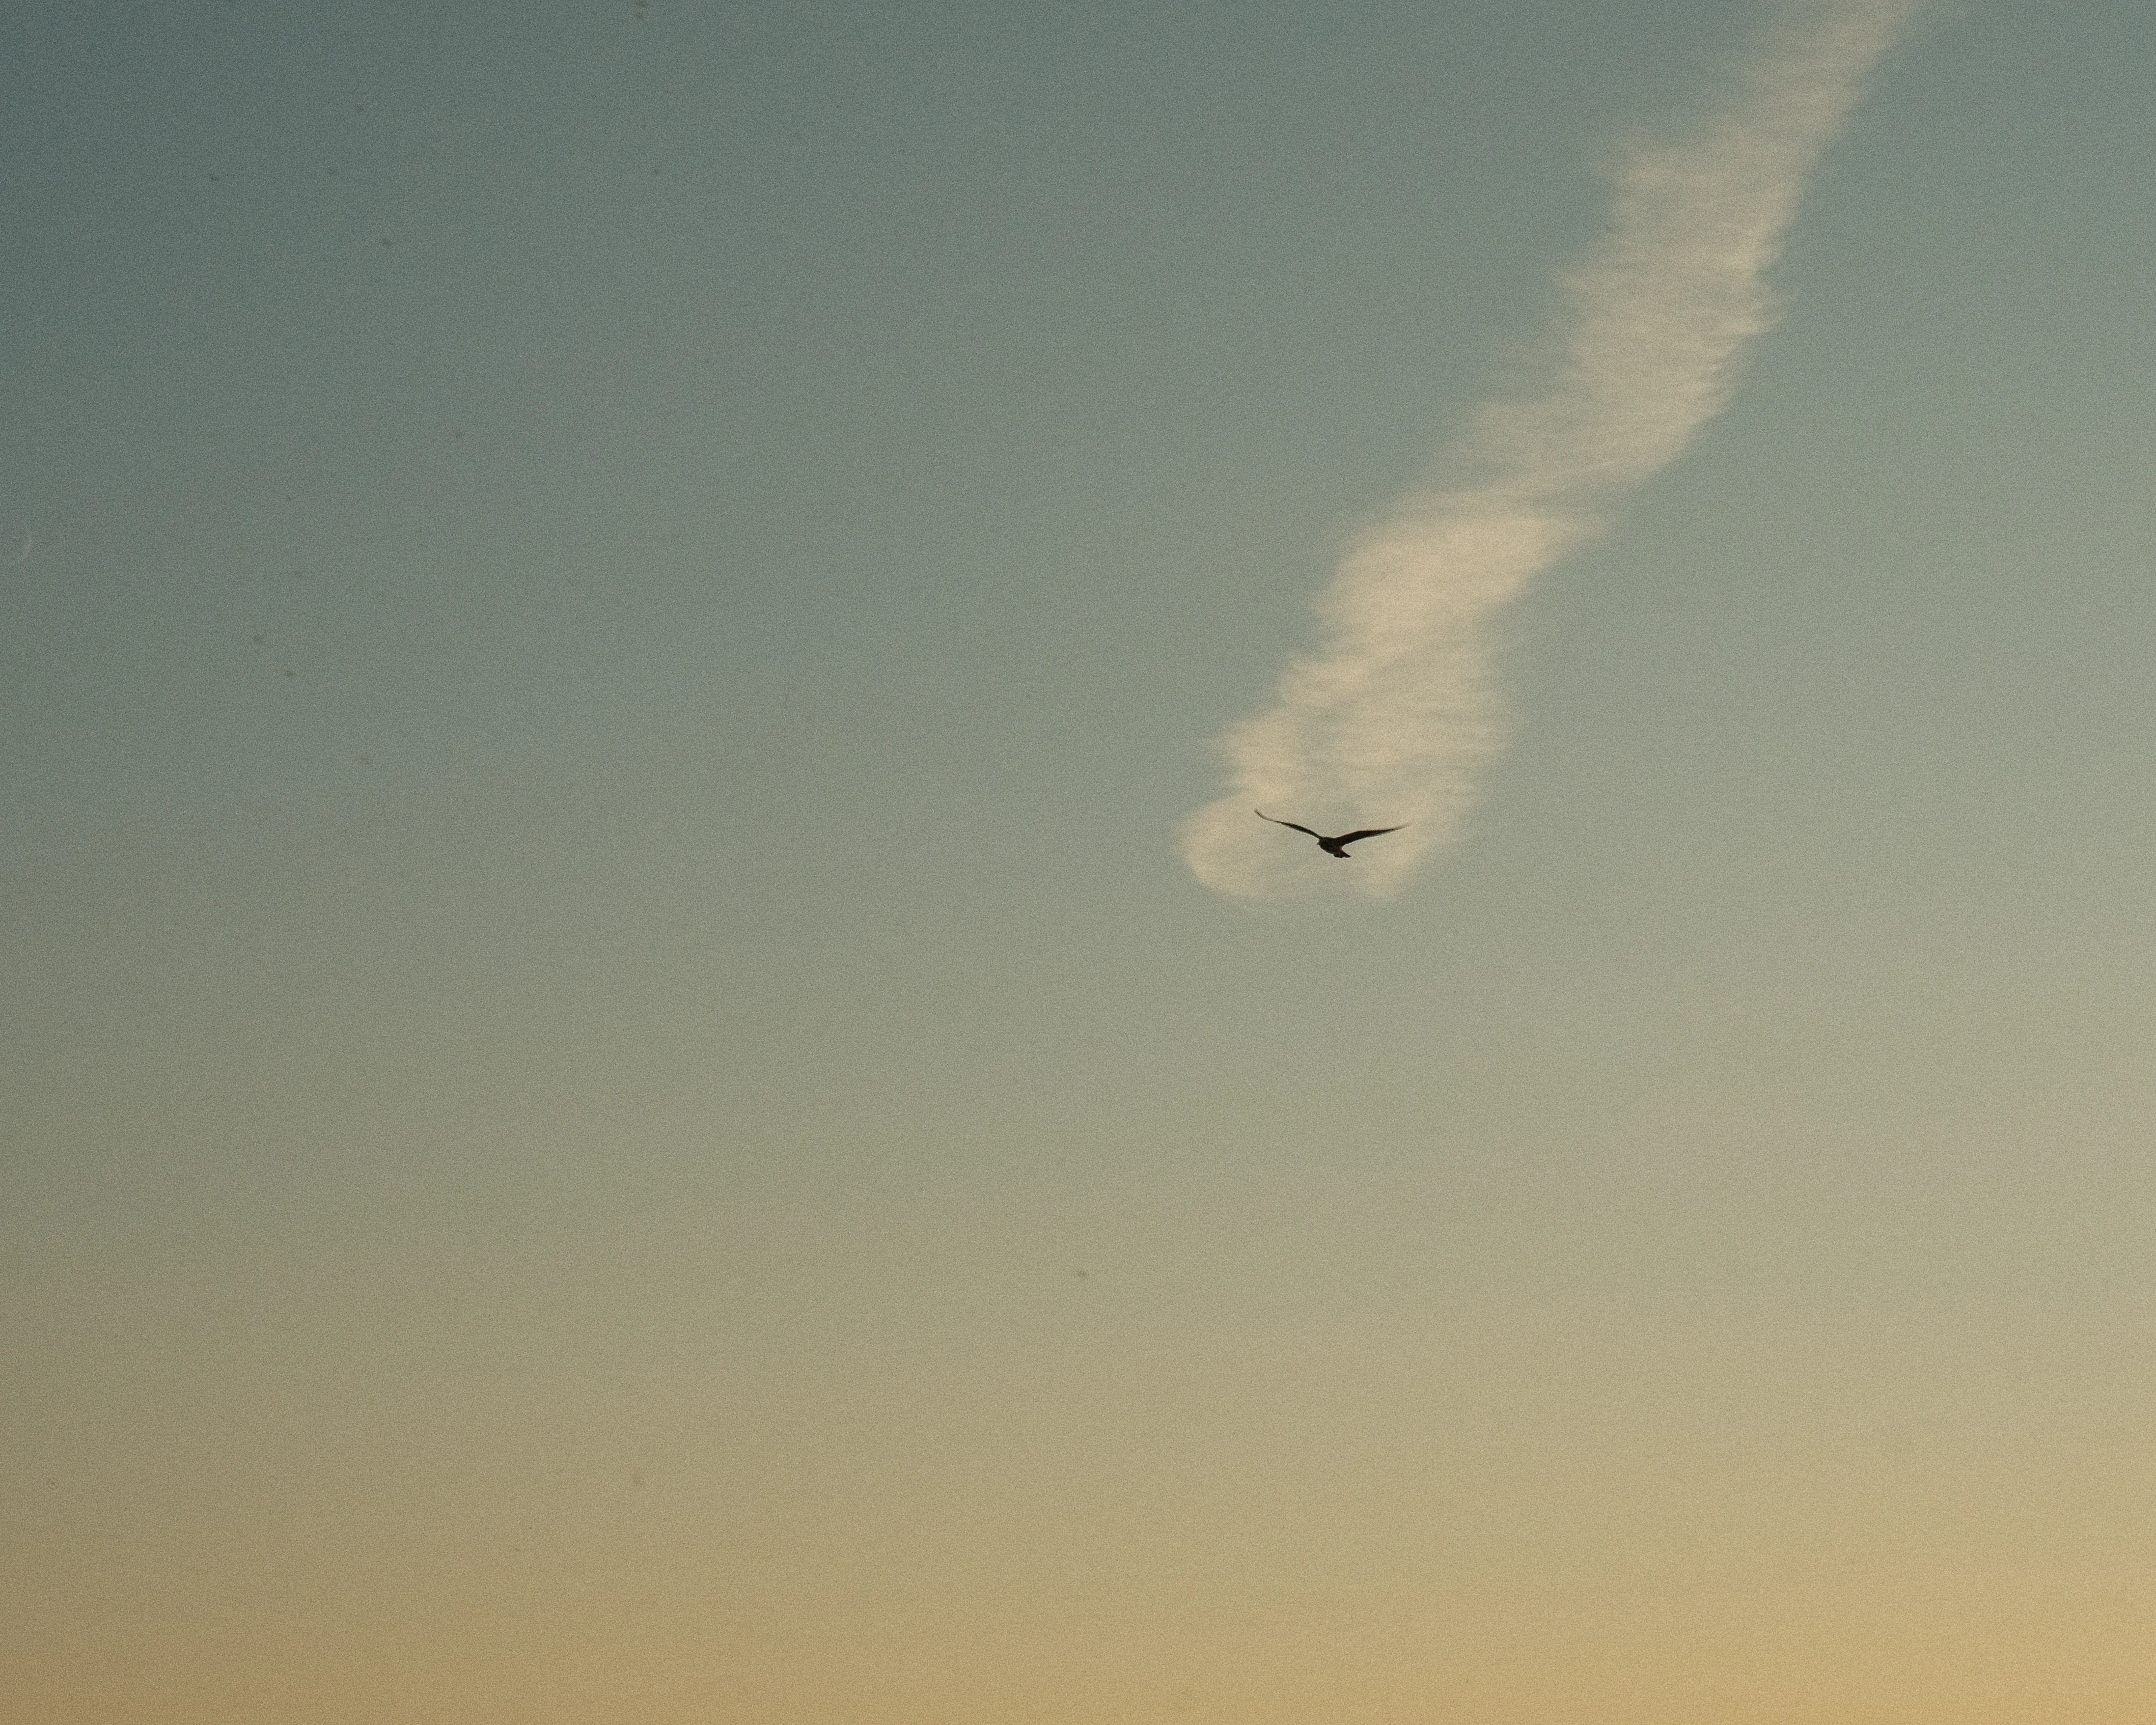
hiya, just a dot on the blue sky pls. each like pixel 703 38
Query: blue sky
pixel 609 616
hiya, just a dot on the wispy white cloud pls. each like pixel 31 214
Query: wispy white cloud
pixel 1392 718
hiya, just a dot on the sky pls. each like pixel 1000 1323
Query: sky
pixel 618 1102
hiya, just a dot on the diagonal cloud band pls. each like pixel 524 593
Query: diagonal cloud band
pixel 1392 719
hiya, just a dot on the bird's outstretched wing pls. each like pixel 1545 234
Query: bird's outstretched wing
pixel 1297 825
pixel 1367 833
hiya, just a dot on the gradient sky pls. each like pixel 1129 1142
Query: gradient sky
pixel 618 1107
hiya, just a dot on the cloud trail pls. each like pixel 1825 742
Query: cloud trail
pixel 1392 718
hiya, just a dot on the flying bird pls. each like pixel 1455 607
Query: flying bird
pixel 1332 847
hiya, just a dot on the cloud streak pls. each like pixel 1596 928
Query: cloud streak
pixel 1394 715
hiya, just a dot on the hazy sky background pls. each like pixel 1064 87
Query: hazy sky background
pixel 618 1107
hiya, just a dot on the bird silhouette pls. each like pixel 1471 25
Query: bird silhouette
pixel 1336 846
